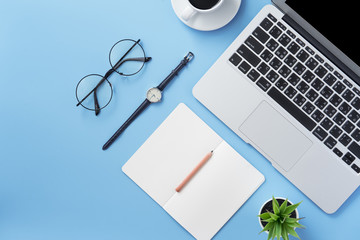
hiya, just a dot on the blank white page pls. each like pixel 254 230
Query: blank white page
pixel 215 193
pixel 170 153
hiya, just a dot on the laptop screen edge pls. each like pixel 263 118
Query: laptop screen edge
pixel 287 10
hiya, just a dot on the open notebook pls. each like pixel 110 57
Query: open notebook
pixel 216 191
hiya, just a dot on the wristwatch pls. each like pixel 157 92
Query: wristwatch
pixel 153 95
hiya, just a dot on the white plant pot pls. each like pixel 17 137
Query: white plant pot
pixel 277 198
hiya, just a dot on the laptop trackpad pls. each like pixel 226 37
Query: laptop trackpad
pixel 275 136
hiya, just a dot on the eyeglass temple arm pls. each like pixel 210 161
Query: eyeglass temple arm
pixel 140 59
pixel 96 103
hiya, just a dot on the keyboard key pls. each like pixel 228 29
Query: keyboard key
pixel 299 100
pixel 263 84
pixel 281 52
pixel 330 79
pixel 330 111
pixel 309 50
pixel 339 119
pixel 348 158
pixel 345 139
pixel 261 35
pixel 291 34
pixel 290 60
pixel 284 40
pixel 327 123
pixel 347 83
pixel 302 55
pixel 326 92
pixel 357 91
pixel 356 168
pixel 291 108
pixel 300 42
pixel 330 68
pixel 336 131
pixel 254 45
pixel 293 48
pixel 263 68
pixel 249 55
pixel 335 100
pixel 253 75
pixel 338 75
pixel 293 79
pixel 308 108
pixel 266 55
pixel 299 68
pixel 302 87
pixel 356 135
pixel 317 116
pixel 281 26
pixel 290 92
pixel 317 84
pixel 337 152
pixel 321 71
pixel 244 67
pixel 345 108
pixel 348 95
pixel 320 102
pixel 284 71
pixel 311 95
pixel 354 116
pixel 272 76
pixel 348 127
pixel 275 63
pixel 317 57
pixel 311 63
pixel 356 103
pixel 275 32
pixel 272 17
pixel 266 24
pixel 272 45
pixel 330 142
pixel 235 59
pixel 339 87
pixel 308 76
pixel 281 84
pixel 320 133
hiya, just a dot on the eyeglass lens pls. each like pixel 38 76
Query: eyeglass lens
pixel 103 92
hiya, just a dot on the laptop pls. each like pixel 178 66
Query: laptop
pixel 289 86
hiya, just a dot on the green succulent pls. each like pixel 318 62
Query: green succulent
pixel 279 223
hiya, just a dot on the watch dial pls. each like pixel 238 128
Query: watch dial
pixel 153 95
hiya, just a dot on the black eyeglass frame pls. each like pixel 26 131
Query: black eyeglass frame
pixel 114 68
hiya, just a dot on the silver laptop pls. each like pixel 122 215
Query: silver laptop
pixel 289 86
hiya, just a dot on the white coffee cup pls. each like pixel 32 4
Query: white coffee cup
pixel 190 10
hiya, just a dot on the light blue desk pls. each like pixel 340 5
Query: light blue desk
pixel 55 181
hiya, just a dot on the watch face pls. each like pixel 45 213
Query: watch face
pixel 153 95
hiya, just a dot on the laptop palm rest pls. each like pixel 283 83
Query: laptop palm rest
pixel 275 136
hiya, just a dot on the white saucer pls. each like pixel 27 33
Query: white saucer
pixel 208 21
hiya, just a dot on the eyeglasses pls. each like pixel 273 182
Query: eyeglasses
pixel 94 92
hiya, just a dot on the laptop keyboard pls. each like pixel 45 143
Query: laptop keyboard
pixel 305 84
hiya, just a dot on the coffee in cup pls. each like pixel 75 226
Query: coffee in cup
pixel 200 6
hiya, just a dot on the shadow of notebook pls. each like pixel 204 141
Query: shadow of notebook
pixel 217 190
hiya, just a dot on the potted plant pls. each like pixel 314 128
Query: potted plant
pixel 279 218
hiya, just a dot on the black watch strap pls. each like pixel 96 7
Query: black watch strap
pixel 175 72
pixel 137 112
